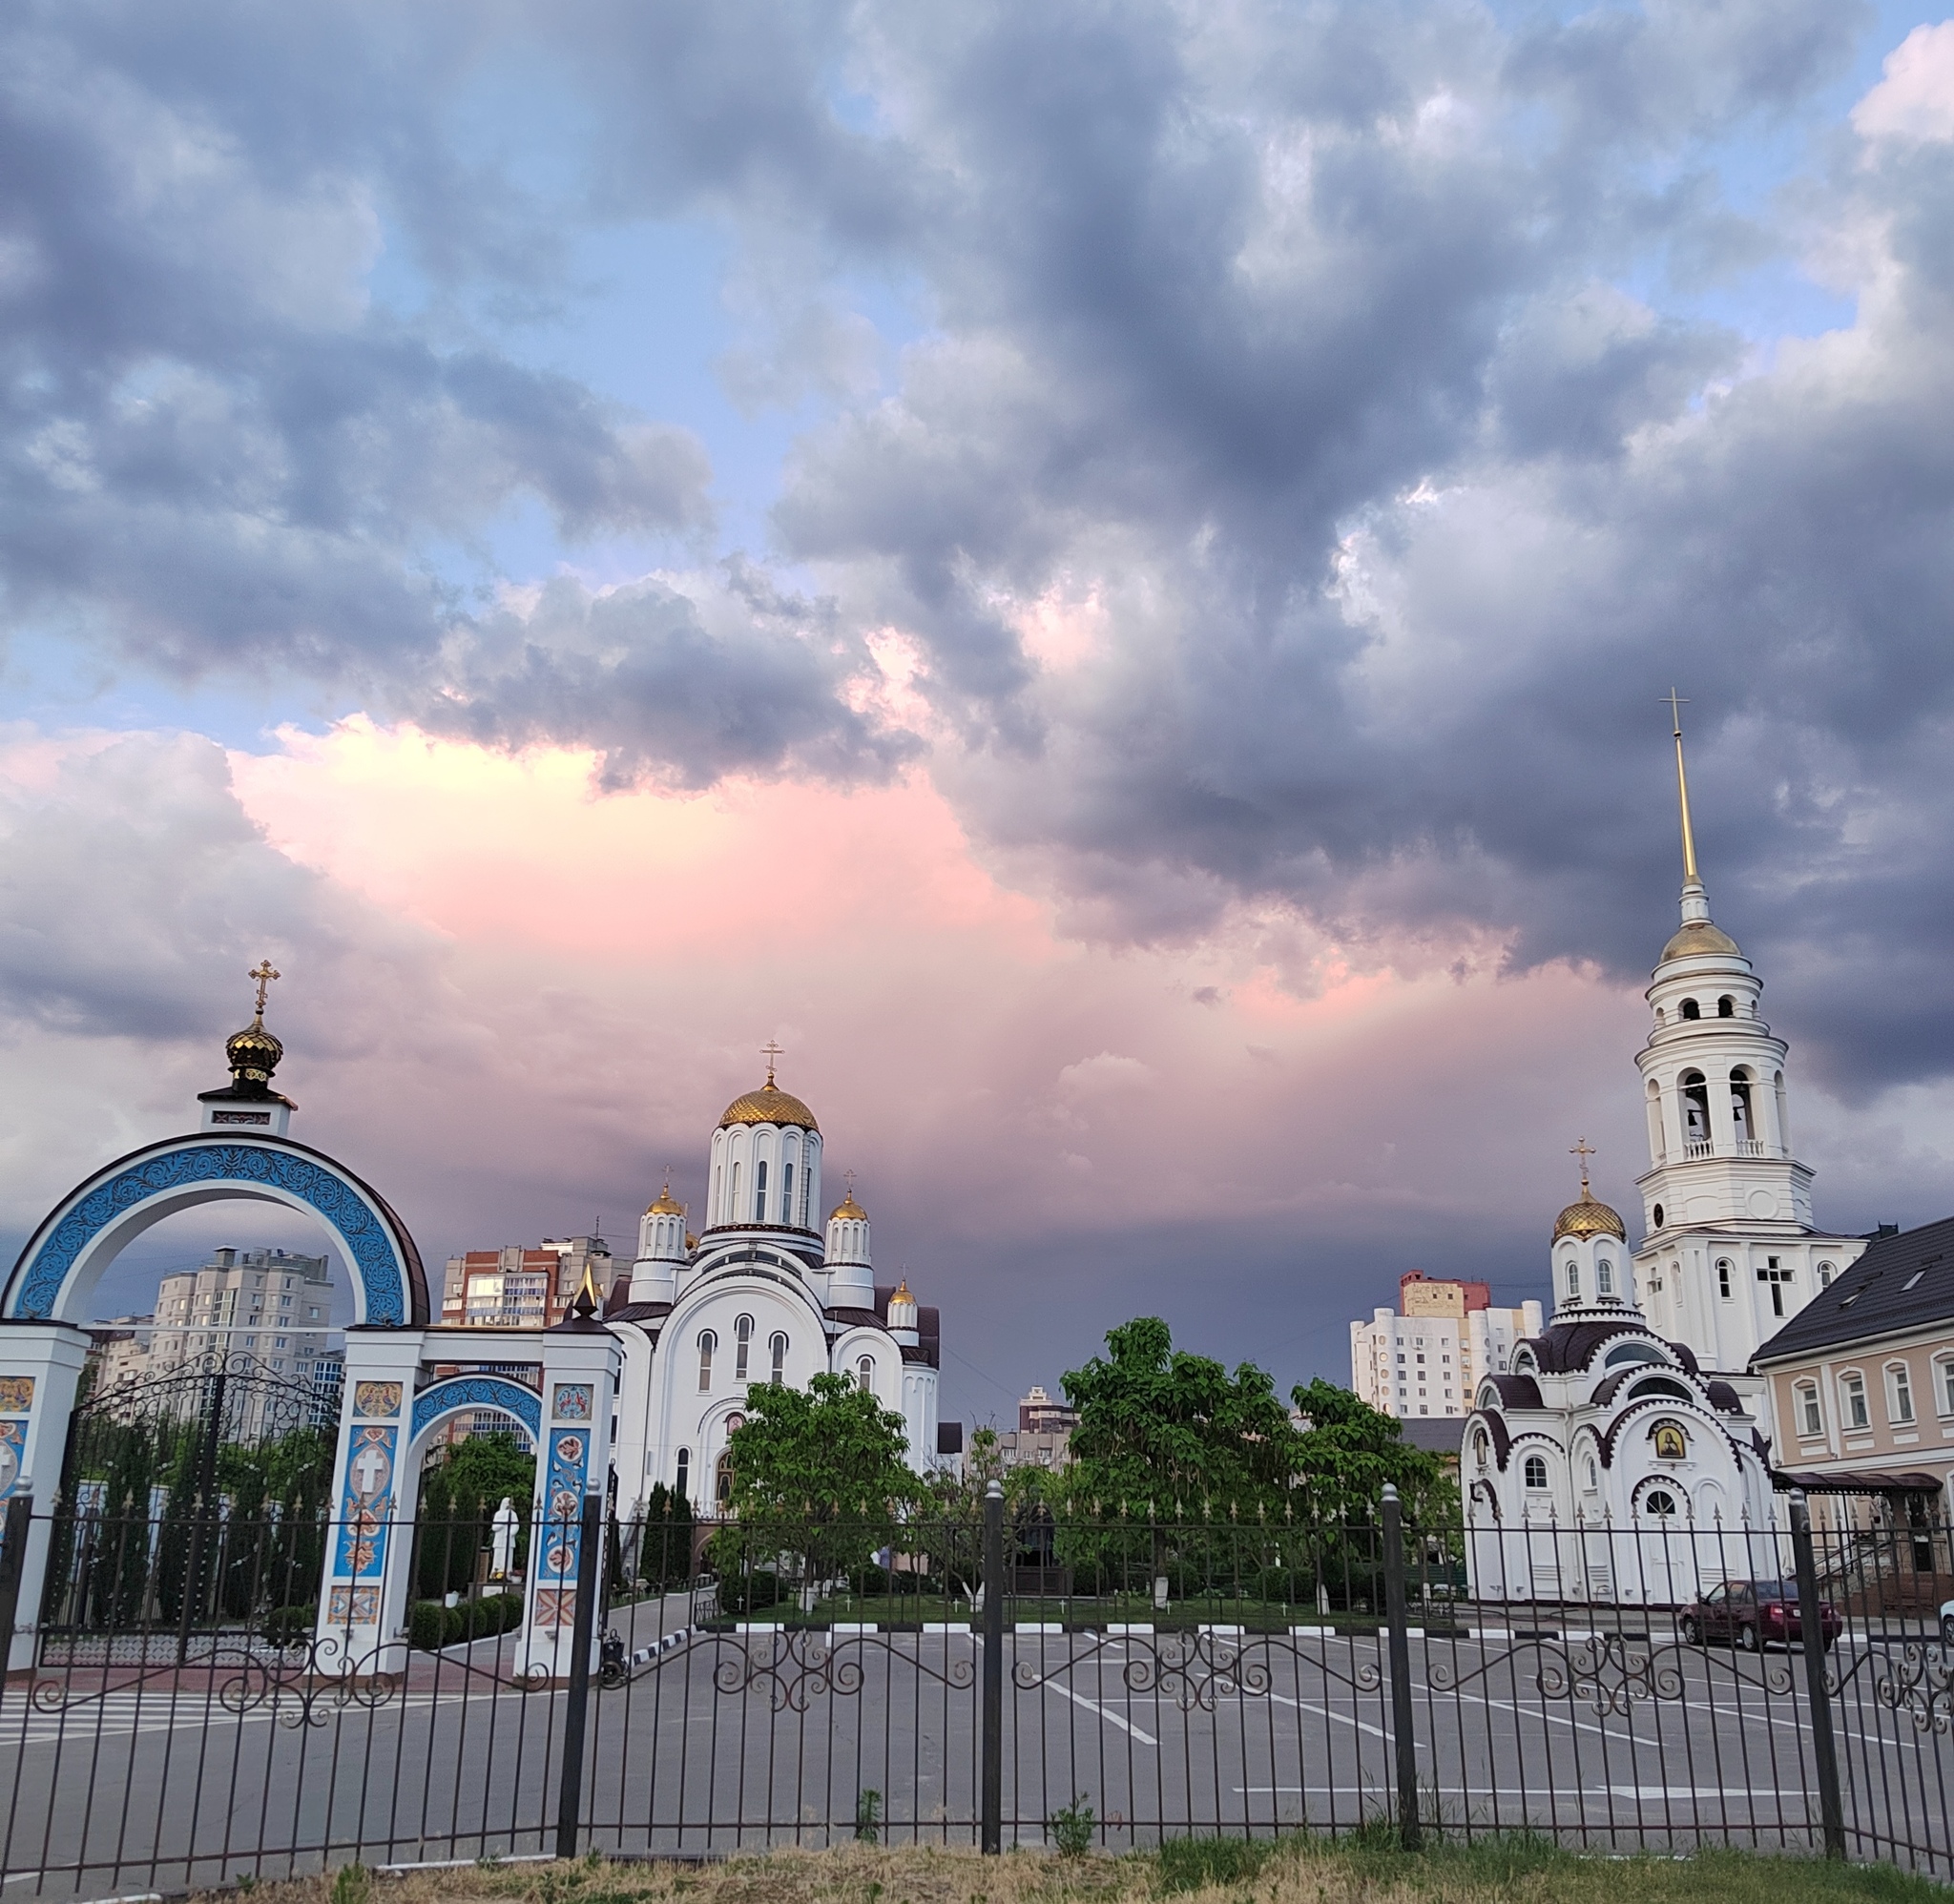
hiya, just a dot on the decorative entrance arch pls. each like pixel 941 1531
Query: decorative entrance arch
pixel 64 1259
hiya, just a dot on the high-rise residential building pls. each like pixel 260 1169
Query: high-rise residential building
pixel 523 1286
pixel 265 1303
pixel 1424 1358
pixel 1043 1436
pixel 121 1350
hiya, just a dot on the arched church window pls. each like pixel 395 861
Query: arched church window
pixel 1659 1501
pixel 1726 1007
pixel 682 1473
pixel 1593 1474
pixel 1573 1279
pixel 864 1375
pixel 777 1347
pixel 1696 1109
pixel 1481 1448
pixel 1740 1104
pixel 1535 1470
pixel 1660 1385
pixel 1661 1017
pixel 733 1212
pixel 1692 1010
pixel 707 1343
pixel 1725 1270
pixel 787 1193
pixel 722 1479
pixel 1604 1276
pixel 1626 1354
pixel 1826 1275
pixel 742 1342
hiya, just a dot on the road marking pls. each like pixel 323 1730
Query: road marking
pixel 1344 1718
pixel 1105 1713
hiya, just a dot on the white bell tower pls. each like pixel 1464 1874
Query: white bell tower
pixel 1730 1251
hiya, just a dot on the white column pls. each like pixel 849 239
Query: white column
pixel 40 1366
pixel 363 1597
pixel 581 1361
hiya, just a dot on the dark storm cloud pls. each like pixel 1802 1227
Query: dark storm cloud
pixel 1298 344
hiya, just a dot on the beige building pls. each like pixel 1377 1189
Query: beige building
pixel 121 1350
pixel 1044 1433
pixel 265 1303
pixel 1861 1379
pixel 1445 1334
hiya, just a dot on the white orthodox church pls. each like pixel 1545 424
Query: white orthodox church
pixel 1633 1415
pixel 759 1293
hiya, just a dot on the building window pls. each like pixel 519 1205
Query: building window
pixel 1726 1007
pixel 1660 1502
pixel 707 1343
pixel 1811 1418
pixel 1947 1387
pixel 1535 1470
pixel 1656 1213
pixel 1899 1393
pixel 1724 1269
pixel 733 1214
pixel 682 1473
pixel 787 1193
pixel 742 1343
pixel 1573 1279
pixel 1691 1009
pixel 759 1191
pixel 722 1474
pixel 1593 1474
pixel 864 1375
pixel 1604 1277
pixel 1855 1391
pixel 1826 1275
pixel 777 1347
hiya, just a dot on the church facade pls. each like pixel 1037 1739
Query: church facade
pixel 765 1291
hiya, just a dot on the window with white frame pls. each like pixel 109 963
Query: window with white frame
pixel 1853 1388
pixel 776 1349
pixel 864 1375
pixel 1811 1418
pixel 1945 1399
pixel 707 1343
pixel 1535 1470
pixel 1898 1394
pixel 742 1344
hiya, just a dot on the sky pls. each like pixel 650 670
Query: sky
pixel 1104 574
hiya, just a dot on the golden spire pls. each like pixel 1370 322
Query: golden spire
pixel 1676 704
pixel 264 973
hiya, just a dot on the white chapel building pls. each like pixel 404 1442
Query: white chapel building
pixel 759 1293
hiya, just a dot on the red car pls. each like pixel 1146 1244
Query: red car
pixel 1753 1613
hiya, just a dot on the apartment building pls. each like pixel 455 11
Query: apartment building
pixel 1424 1357
pixel 266 1303
pixel 522 1286
pixel 1043 1436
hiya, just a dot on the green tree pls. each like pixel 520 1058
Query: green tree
pixel 665 1548
pixel 460 1493
pixel 819 1474
pixel 1168 1432
pixel 1349 1450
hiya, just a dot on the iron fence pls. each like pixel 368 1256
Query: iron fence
pixel 969 1679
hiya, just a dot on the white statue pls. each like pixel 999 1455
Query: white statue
pixel 502 1547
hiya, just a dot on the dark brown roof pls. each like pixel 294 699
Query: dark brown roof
pixel 1517 1391
pixel 1567 1346
pixel 1856 1480
pixel 1872 1298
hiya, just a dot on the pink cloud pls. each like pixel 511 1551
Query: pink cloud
pixel 1914 99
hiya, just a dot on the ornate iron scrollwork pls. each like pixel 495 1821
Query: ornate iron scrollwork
pixel 1608 1672
pixel 1919 1680
pixel 801 1663
pixel 1197 1669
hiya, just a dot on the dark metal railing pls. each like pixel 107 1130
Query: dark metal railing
pixel 972 1678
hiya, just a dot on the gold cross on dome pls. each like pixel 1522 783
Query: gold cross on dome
pixel 1675 704
pixel 849 1176
pixel 771 1050
pixel 1583 1150
pixel 264 973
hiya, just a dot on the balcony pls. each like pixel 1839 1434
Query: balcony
pixel 1751 1147
pixel 1702 1148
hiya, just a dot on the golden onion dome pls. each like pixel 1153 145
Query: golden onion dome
pixel 848 1210
pixel 252 1054
pixel 769 1105
pixel 664 1204
pixel 1589 1218
pixel 1697 938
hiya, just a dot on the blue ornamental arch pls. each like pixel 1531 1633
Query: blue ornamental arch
pixel 461 1395
pixel 56 1273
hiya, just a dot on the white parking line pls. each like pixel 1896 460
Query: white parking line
pixel 1105 1713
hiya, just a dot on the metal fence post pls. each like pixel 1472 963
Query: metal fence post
pixel 1401 1670
pixel 1812 1627
pixel 994 1670
pixel 569 1793
pixel 20 1510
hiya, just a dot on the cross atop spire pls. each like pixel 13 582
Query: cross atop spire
pixel 770 1051
pixel 1675 704
pixel 265 972
pixel 1584 1150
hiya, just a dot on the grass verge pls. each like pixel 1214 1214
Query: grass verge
pixel 1296 1869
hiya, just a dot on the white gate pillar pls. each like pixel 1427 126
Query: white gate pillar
pixel 581 1361
pixel 363 1600
pixel 40 1367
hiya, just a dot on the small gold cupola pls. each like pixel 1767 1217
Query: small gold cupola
pixel 248 1102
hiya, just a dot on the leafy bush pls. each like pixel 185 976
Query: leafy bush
pixel 868 1581
pixel 291 1626
pixel 1193 1864
pixel 751 1592
pixel 1072 1825
pixel 431 1626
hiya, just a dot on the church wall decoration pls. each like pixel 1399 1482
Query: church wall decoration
pixel 353 1606
pixel 377 1398
pixel 16 1395
pixel 572 1401
pixel 13 1448
pixel 467 1392
pixel 366 1503
pixel 563 1529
